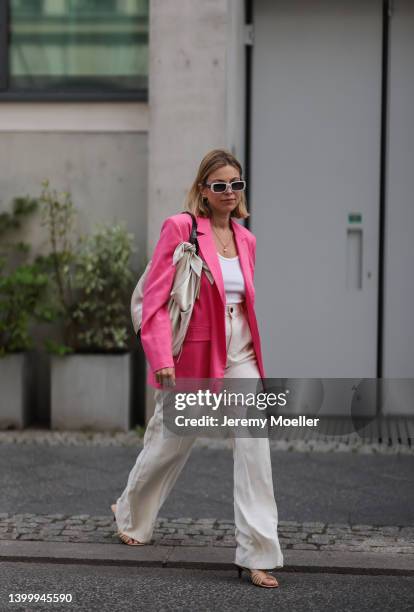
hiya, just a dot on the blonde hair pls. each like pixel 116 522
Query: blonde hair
pixel 195 202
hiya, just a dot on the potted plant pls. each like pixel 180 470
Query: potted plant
pixel 22 291
pixel 90 368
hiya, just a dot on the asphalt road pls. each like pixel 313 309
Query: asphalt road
pixel 124 589
pixel 327 487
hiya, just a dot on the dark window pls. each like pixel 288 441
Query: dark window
pixel 74 49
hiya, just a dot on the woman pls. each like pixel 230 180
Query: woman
pixel 222 341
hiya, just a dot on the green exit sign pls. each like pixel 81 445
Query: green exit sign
pixel 354 218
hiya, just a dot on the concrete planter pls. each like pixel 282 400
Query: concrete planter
pixel 14 391
pixel 91 391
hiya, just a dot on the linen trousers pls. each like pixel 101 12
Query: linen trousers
pixel 161 460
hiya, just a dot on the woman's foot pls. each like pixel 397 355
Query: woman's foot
pixel 259 577
pixel 123 537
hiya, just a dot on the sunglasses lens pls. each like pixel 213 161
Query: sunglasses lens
pixel 237 185
pixel 219 187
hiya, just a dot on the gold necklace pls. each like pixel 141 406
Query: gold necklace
pixel 224 245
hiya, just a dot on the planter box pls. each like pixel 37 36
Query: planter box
pixel 91 392
pixel 14 391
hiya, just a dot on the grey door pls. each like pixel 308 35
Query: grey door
pixel 399 233
pixel 315 176
pixel 398 344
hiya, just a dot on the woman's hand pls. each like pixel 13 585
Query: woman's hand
pixel 166 377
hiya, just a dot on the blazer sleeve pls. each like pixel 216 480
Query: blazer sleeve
pixel 156 331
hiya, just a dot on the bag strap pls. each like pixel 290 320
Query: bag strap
pixel 193 233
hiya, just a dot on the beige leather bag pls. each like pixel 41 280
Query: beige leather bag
pixel 184 292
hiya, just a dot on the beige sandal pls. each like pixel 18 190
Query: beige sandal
pixel 258 577
pixel 123 537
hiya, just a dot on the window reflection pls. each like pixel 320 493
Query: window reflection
pixel 60 45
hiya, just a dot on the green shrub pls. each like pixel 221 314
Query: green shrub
pixel 103 279
pixel 91 278
pixel 22 285
pixel 21 294
pixel 58 216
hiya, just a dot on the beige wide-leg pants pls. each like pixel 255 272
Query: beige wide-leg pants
pixel 162 458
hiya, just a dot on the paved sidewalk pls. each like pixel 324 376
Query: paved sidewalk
pixel 205 558
pixel 208 557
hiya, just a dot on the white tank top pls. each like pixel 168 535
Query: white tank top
pixel 233 279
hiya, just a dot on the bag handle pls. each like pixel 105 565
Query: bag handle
pixel 193 233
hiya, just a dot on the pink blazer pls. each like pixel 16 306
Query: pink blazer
pixel 204 352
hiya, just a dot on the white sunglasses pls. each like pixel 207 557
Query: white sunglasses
pixel 221 186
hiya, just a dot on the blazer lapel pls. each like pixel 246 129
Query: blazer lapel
pixel 242 247
pixel 209 254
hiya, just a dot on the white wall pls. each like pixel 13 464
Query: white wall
pixel 105 172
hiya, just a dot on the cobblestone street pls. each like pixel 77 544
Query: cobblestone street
pixel 209 532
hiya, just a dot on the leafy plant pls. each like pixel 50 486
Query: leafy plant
pixel 91 277
pixel 58 216
pixel 85 282
pixel 103 279
pixel 21 294
pixel 22 208
pixel 22 285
